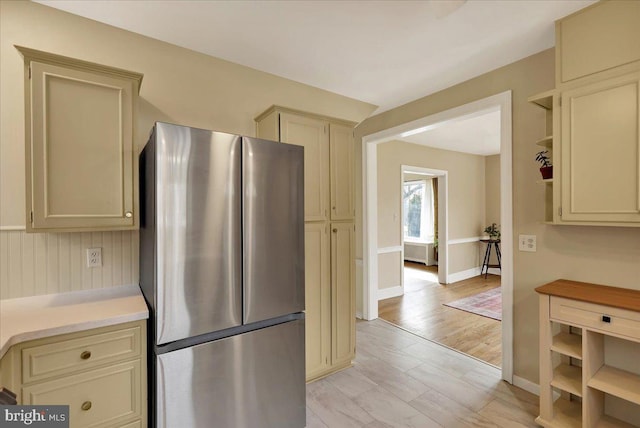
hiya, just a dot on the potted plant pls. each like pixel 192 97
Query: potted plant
pixel 546 168
pixel 493 231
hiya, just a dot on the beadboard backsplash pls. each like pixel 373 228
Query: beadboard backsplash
pixel 32 264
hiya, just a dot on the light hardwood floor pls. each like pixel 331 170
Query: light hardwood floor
pixel 400 380
pixel 421 311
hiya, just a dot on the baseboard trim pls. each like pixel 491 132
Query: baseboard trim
pixel 359 315
pixel 387 250
pixel 462 275
pixel 527 385
pixel 463 240
pixel 387 293
pixel 495 271
pixel 413 259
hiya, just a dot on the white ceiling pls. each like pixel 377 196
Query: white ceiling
pixel 383 52
pixel 477 134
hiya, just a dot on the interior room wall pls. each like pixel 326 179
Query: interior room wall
pixel 466 181
pixel 179 86
pixel 492 189
pixel 492 197
pixel 604 255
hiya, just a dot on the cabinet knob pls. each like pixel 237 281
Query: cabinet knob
pixel 86 405
pixel 128 214
pixel 85 355
pixel 335 231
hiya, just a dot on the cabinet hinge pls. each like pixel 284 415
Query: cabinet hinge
pixel 560 211
pixel 560 101
pixel 31 217
pixel 29 72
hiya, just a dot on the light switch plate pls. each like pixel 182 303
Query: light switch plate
pixel 527 243
pixel 94 257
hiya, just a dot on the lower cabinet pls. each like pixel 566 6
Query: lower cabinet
pixel 330 297
pixel 589 348
pixel 100 374
pixel 342 294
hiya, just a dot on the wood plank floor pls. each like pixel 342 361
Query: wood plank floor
pixel 400 380
pixel 421 311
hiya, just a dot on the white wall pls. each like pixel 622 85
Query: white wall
pixel 466 217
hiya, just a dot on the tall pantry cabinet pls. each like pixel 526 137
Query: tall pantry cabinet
pixel 329 231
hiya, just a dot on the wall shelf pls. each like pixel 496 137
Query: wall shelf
pixel 543 99
pixel 547 100
pixel 546 142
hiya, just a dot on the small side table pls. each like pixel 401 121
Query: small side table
pixel 487 256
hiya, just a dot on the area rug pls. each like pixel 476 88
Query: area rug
pixel 487 303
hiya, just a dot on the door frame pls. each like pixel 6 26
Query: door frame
pixel 443 221
pixel 499 102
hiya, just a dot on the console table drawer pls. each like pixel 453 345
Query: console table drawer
pixel 614 321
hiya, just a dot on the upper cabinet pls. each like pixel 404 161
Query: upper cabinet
pixel 594 132
pixel 81 161
pixel 601 151
pixel 313 135
pixel 329 159
pixel 597 38
pixel 342 174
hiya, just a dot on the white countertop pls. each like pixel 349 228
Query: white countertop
pixel 30 318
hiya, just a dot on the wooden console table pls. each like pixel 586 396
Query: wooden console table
pixel 575 320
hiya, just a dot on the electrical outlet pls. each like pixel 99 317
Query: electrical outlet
pixel 527 243
pixel 94 257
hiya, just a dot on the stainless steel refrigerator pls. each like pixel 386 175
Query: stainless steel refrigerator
pixel 222 270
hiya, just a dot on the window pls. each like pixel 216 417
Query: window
pixel 417 200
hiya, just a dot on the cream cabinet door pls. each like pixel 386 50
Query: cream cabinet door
pixel 597 38
pixel 601 152
pixel 343 292
pixel 313 135
pixel 103 397
pixel 81 169
pixel 317 299
pixel 342 156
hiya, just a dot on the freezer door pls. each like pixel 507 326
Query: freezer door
pixel 198 232
pixel 252 380
pixel 273 217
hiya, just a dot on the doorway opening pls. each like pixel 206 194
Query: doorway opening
pixel 376 259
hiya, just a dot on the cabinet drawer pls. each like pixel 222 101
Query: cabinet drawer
pixel 98 398
pixel 44 361
pixel 622 323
